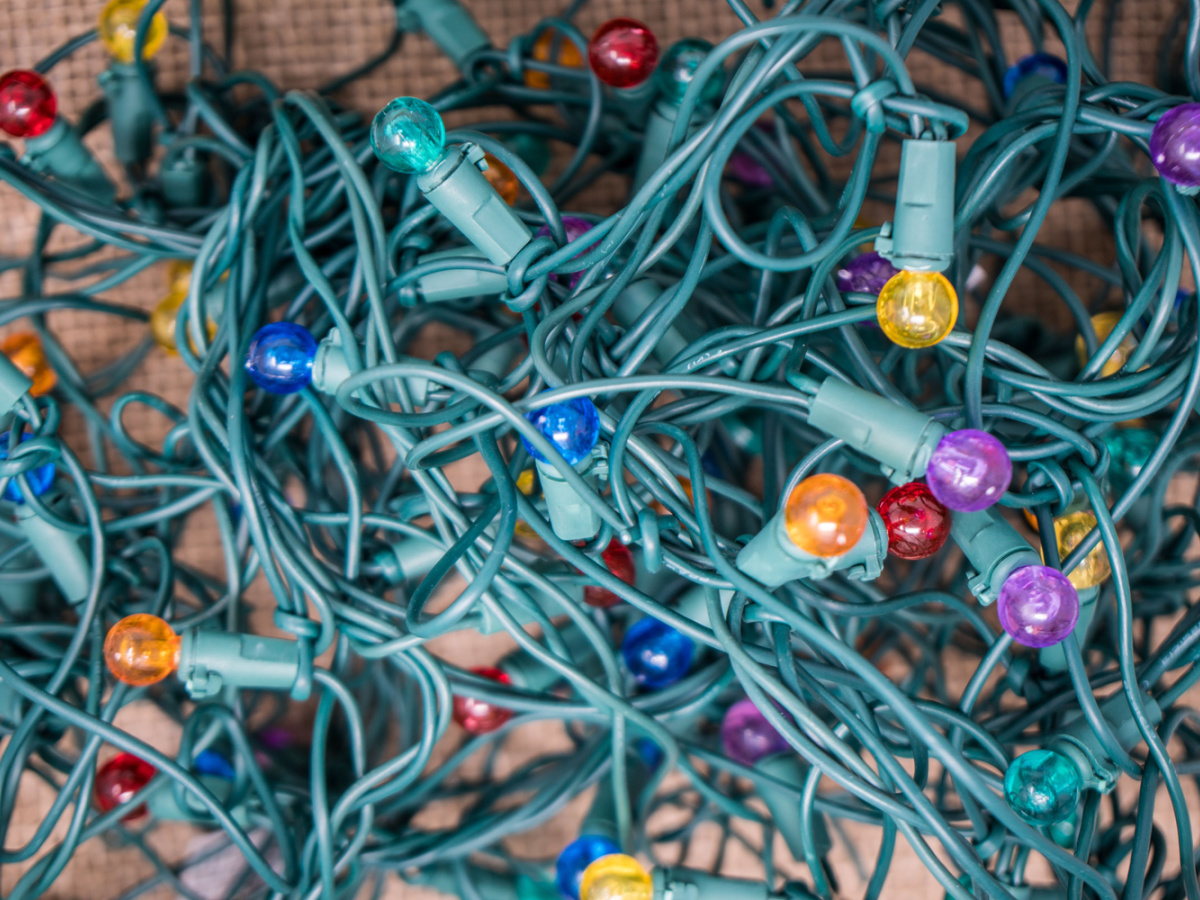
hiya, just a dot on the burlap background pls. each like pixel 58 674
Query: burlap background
pixel 300 44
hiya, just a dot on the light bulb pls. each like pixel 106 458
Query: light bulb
pixel 118 780
pixel 575 229
pixel 482 716
pixel 747 736
pixel 969 470
pixel 1175 145
pixel 1103 324
pixel 214 764
pixel 118 29
pixel 917 309
pixel 577 856
pixel 1041 65
pixel 1038 606
pixel 1042 787
pixel 619 560
pixel 40 477
pixel 623 52
pixel 408 136
pixel 568 56
pixel 917 524
pixel 28 106
pixel 572 426
pixel 501 177
pixel 655 654
pixel 1131 449
pixel 678 66
pixel 616 877
pixel 280 357
pixel 867 273
pixel 825 515
pixel 141 649
pixel 1069 530
pixel 164 315
pixel 24 350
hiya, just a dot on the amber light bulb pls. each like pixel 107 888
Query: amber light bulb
pixel 141 649
pixel 24 350
pixel 568 56
pixel 826 515
pixel 501 177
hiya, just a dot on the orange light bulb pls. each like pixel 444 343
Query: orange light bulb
pixel 24 350
pixel 568 56
pixel 826 515
pixel 141 650
pixel 501 177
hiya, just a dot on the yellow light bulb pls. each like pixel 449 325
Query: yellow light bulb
pixel 917 309
pixel 1069 530
pixel 141 650
pixel 163 316
pixel 118 28
pixel 24 350
pixel 1103 324
pixel 616 877
pixel 826 515
pixel 568 57
pixel 501 177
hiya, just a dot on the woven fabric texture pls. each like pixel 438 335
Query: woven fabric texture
pixel 302 44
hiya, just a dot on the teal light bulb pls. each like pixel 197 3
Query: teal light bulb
pixel 1042 787
pixel 678 66
pixel 408 136
pixel 1130 448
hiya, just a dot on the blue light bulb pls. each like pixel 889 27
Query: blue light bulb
pixel 408 136
pixel 1043 65
pixel 577 856
pixel 39 477
pixel 1042 787
pixel 656 654
pixel 210 762
pixel 572 426
pixel 678 66
pixel 280 358
pixel 650 753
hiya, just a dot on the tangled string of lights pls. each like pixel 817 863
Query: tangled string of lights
pixel 682 409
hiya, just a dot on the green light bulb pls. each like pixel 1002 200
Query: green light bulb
pixel 408 136
pixel 1042 787
pixel 678 66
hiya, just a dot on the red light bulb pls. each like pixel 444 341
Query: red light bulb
pixel 623 53
pixel 917 524
pixel 28 106
pixel 480 716
pixel 619 560
pixel 118 780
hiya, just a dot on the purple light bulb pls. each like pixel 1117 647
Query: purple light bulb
pixel 1038 606
pixel 969 470
pixel 575 228
pixel 747 736
pixel 745 168
pixel 865 274
pixel 1175 145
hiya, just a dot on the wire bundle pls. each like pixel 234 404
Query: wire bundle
pixel 742 232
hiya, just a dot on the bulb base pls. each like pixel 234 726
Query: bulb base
pixel 448 24
pixel 901 440
pixel 130 112
pixel 993 548
pixel 459 283
pixel 458 190
pixel 570 515
pixel 212 660
pixel 773 559
pixel 922 236
pixel 59 550
pixel 60 154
